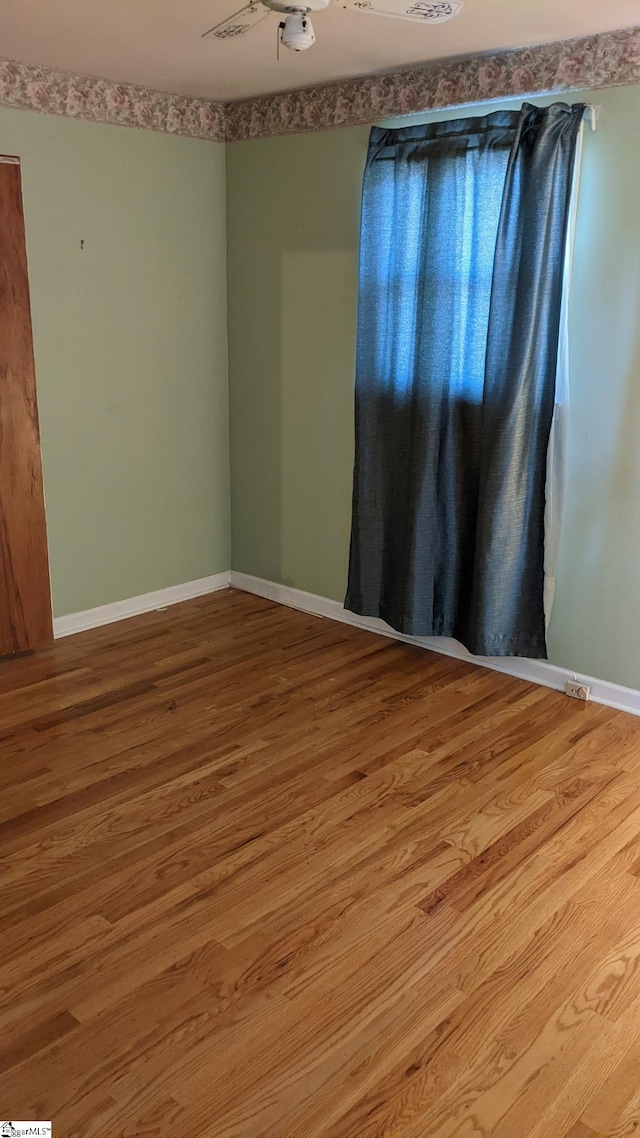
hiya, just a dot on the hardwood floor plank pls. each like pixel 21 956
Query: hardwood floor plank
pixel 614 1108
pixel 267 876
pixel 559 1112
pixel 24 1044
pixel 496 1040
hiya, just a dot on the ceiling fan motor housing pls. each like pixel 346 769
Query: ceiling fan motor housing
pixel 289 8
pixel 297 32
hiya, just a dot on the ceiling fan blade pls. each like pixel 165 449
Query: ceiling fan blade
pixel 423 11
pixel 239 23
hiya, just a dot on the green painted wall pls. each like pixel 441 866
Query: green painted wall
pixel 131 353
pixel 293 206
pixel 293 214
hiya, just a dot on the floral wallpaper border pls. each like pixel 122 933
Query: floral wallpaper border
pixel 606 60
pixel 29 88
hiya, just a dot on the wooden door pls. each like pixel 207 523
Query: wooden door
pixel 25 595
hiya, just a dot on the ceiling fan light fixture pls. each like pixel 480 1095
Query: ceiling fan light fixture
pixel 297 32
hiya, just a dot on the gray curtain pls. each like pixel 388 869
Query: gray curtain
pixel 462 247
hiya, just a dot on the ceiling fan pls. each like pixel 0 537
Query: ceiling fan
pixel 296 30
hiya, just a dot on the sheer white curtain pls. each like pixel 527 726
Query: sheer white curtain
pixel 558 439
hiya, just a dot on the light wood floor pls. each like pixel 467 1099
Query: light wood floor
pixel 266 875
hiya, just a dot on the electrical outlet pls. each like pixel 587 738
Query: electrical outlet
pixel 577 690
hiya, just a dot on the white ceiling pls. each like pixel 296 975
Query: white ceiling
pixel 157 42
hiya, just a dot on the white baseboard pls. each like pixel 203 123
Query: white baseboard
pixel 535 671
pixel 134 606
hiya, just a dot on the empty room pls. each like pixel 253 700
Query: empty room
pixel 320 569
